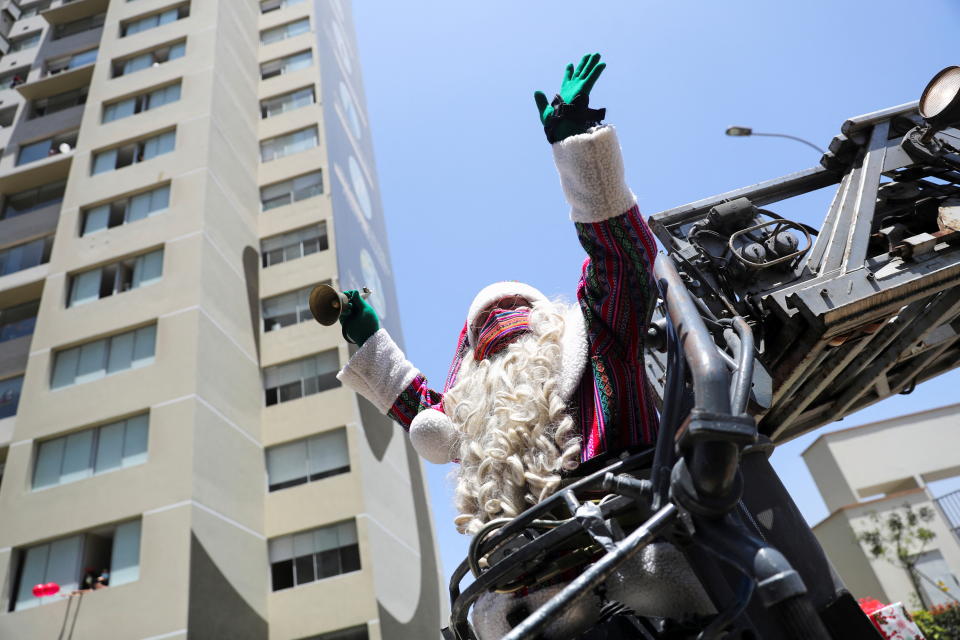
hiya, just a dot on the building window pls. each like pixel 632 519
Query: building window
pixel 266 6
pixel 112 551
pixel 94 360
pixel 58 102
pixel 353 633
pixel 134 152
pixel 78 26
pixel 10 396
pixel 293 245
pixel 23 43
pixel 85 453
pixel 287 309
pixel 314 555
pixel 19 320
pixel 284 31
pixel 66 63
pixel 289 143
pixel 53 146
pixel 153 21
pixel 287 102
pixel 307 460
pixel 125 210
pixel 117 277
pixel 304 377
pixel 143 102
pixel 26 255
pixel 158 56
pixel 288 64
pixel 293 190
pixel 13 78
pixel 7 116
pixel 48 195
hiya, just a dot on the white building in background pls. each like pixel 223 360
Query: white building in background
pixel 175 176
pixel 874 469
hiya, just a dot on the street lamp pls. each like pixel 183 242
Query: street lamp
pixel 747 131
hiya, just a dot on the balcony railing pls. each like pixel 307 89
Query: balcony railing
pixel 950 505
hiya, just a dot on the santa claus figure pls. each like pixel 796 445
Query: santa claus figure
pixel 538 390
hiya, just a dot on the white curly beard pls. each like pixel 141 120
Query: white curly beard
pixel 515 433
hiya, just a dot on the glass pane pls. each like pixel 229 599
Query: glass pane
pixel 86 288
pixel 34 571
pixel 137 64
pixel 139 207
pixel 109 447
pixel 298 27
pixel 77 456
pixel 349 558
pixel 96 219
pixel 121 352
pixel 303 543
pixel 49 460
pixel 328 451
pixel 347 532
pixel 281 549
pixel 10 396
pixel 83 58
pixel 177 51
pixel 328 563
pixel 92 364
pixel 148 268
pixel 160 198
pixel 303 566
pixel 119 110
pixel 135 441
pixel 281 574
pixel 63 566
pixel 298 61
pixel 143 349
pixel 33 152
pixel 125 558
pixel 104 161
pixel 325 539
pixel 287 462
pixel 65 367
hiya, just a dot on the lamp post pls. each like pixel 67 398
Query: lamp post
pixel 747 131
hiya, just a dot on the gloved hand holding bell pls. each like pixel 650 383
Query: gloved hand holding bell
pixel 358 318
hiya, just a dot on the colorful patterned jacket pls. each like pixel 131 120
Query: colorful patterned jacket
pixel 609 398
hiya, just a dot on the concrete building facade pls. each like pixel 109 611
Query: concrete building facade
pixel 175 177
pixel 866 473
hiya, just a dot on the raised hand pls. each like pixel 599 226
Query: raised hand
pixel 361 321
pixel 575 89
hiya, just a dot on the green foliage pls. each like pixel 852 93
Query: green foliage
pixel 899 537
pixel 940 623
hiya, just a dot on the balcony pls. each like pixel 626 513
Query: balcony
pixel 60 75
pixel 72 10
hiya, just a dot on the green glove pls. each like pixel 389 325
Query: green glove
pixel 576 82
pixel 360 320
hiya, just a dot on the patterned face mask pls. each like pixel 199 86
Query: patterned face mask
pixel 501 327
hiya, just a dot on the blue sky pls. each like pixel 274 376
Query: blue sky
pixel 469 189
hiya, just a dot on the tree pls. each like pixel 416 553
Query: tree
pixel 899 537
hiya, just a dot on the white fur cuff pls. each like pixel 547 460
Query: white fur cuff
pixel 434 436
pixel 378 371
pixel 591 174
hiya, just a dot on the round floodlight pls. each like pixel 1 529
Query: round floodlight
pixel 940 101
pixel 739 131
pixel 64 148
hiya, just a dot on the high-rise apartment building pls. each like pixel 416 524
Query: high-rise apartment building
pixel 176 175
